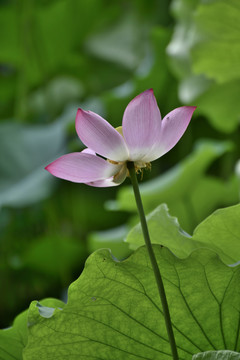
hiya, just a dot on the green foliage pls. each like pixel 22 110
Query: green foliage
pixel 204 54
pixel 114 311
pixel 217 355
pixel 219 232
pixel 119 43
pixel 41 40
pixel 217 56
pixel 164 230
pixel 60 254
pixel 220 104
pixel 113 239
pixel 23 178
pixel 189 193
pixel 98 54
pixel 14 339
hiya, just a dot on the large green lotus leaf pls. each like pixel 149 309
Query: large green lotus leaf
pixel 219 232
pixel 217 55
pixel 114 311
pixel 217 355
pixel 14 339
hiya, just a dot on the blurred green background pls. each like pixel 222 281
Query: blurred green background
pixel 58 55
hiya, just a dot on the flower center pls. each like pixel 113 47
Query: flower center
pixel 139 165
pixel 123 172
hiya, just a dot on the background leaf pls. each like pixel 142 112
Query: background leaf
pixel 165 230
pixel 112 239
pixel 188 192
pixel 23 178
pixel 217 56
pixel 204 52
pixel 61 255
pixel 219 232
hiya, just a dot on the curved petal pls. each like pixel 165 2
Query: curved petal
pixel 174 125
pixel 82 168
pixel 97 134
pixel 103 183
pixel 141 124
pixel 88 151
pixel 115 180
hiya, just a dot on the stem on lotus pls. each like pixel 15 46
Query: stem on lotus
pixel 153 260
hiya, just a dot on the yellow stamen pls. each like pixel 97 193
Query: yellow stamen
pixel 149 166
pixel 139 168
pixel 113 162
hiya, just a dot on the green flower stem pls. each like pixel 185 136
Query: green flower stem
pixel 153 260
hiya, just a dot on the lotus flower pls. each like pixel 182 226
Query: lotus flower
pixel 142 138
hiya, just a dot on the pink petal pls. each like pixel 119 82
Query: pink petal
pixel 174 125
pixel 115 180
pixel 103 183
pixel 97 134
pixel 141 124
pixel 82 168
pixel 88 151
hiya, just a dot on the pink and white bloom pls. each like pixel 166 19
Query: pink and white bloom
pixel 142 138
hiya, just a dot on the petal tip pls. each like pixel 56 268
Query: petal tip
pixel 148 91
pixel 48 168
pixel 80 112
pixel 143 95
pixel 189 109
pixel 78 120
pixel 193 108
